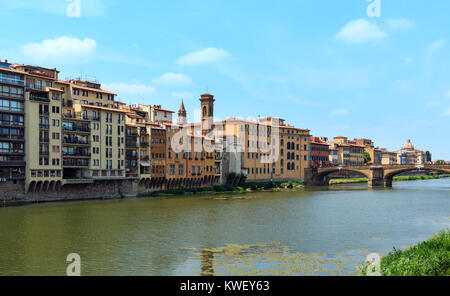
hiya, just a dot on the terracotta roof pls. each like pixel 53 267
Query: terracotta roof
pixel 103 108
pixel 55 89
pixel 91 89
pixel 164 110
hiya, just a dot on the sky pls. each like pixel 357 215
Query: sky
pixel 334 67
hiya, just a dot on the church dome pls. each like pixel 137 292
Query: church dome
pixel 408 146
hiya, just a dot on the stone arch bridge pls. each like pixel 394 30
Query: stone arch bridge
pixel 378 176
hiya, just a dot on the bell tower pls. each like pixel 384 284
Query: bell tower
pixel 182 115
pixel 207 107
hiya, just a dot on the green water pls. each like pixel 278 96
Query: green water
pixel 316 231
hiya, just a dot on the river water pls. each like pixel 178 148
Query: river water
pixel 317 231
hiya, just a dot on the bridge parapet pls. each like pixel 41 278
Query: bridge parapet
pixel 378 175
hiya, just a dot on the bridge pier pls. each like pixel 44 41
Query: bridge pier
pixel 312 178
pixel 376 177
pixel 388 182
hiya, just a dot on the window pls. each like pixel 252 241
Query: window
pixel 4 104
pixel 17 106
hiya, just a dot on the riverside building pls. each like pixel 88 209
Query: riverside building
pixel 57 134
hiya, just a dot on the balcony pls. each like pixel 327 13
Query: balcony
pixel 12 81
pixel 44 140
pixel 76 142
pixel 12 163
pixel 144 143
pixel 131 143
pixel 39 99
pixel 44 126
pixel 76 154
pixel 131 155
pixel 74 163
pixel 80 129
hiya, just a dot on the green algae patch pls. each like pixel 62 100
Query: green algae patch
pixel 271 258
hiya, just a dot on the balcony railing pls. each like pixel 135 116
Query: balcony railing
pixel 76 142
pixel 44 126
pixel 44 153
pixel 39 99
pixel 44 140
pixel 77 129
pixel 12 81
pixel 130 144
pixel 131 155
pixel 77 154
pixel 75 163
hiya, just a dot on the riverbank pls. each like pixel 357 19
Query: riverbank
pixel 428 258
pixel 248 187
pixel 395 179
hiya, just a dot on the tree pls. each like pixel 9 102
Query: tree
pixel 367 157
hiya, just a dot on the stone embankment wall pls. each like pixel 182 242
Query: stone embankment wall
pixel 13 193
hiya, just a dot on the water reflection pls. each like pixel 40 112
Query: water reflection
pixel 314 231
pixel 207 263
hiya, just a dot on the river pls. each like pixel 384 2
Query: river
pixel 316 231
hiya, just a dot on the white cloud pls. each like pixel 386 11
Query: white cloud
pixel 446 112
pixel 435 46
pixel 60 50
pixel 432 104
pixel 400 24
pixel 339 112
pixel 183 95
pixel 408 60
pixel 360 31
pixel 173 79
pixel 131 89
pixel 402 84
pixel 207 55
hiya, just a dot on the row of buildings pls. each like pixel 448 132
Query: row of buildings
pixel 342 151
pixel 72 131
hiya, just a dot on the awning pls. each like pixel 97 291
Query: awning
pixel 145 164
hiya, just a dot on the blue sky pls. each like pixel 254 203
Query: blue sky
pixel 322 65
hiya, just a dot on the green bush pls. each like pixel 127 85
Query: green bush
pixel 429 258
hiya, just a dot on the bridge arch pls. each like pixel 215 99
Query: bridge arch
pixel 321 178
pixel 390 174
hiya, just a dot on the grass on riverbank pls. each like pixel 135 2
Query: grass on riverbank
pixel 429 258
pixel 248 187
pixel 395 179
